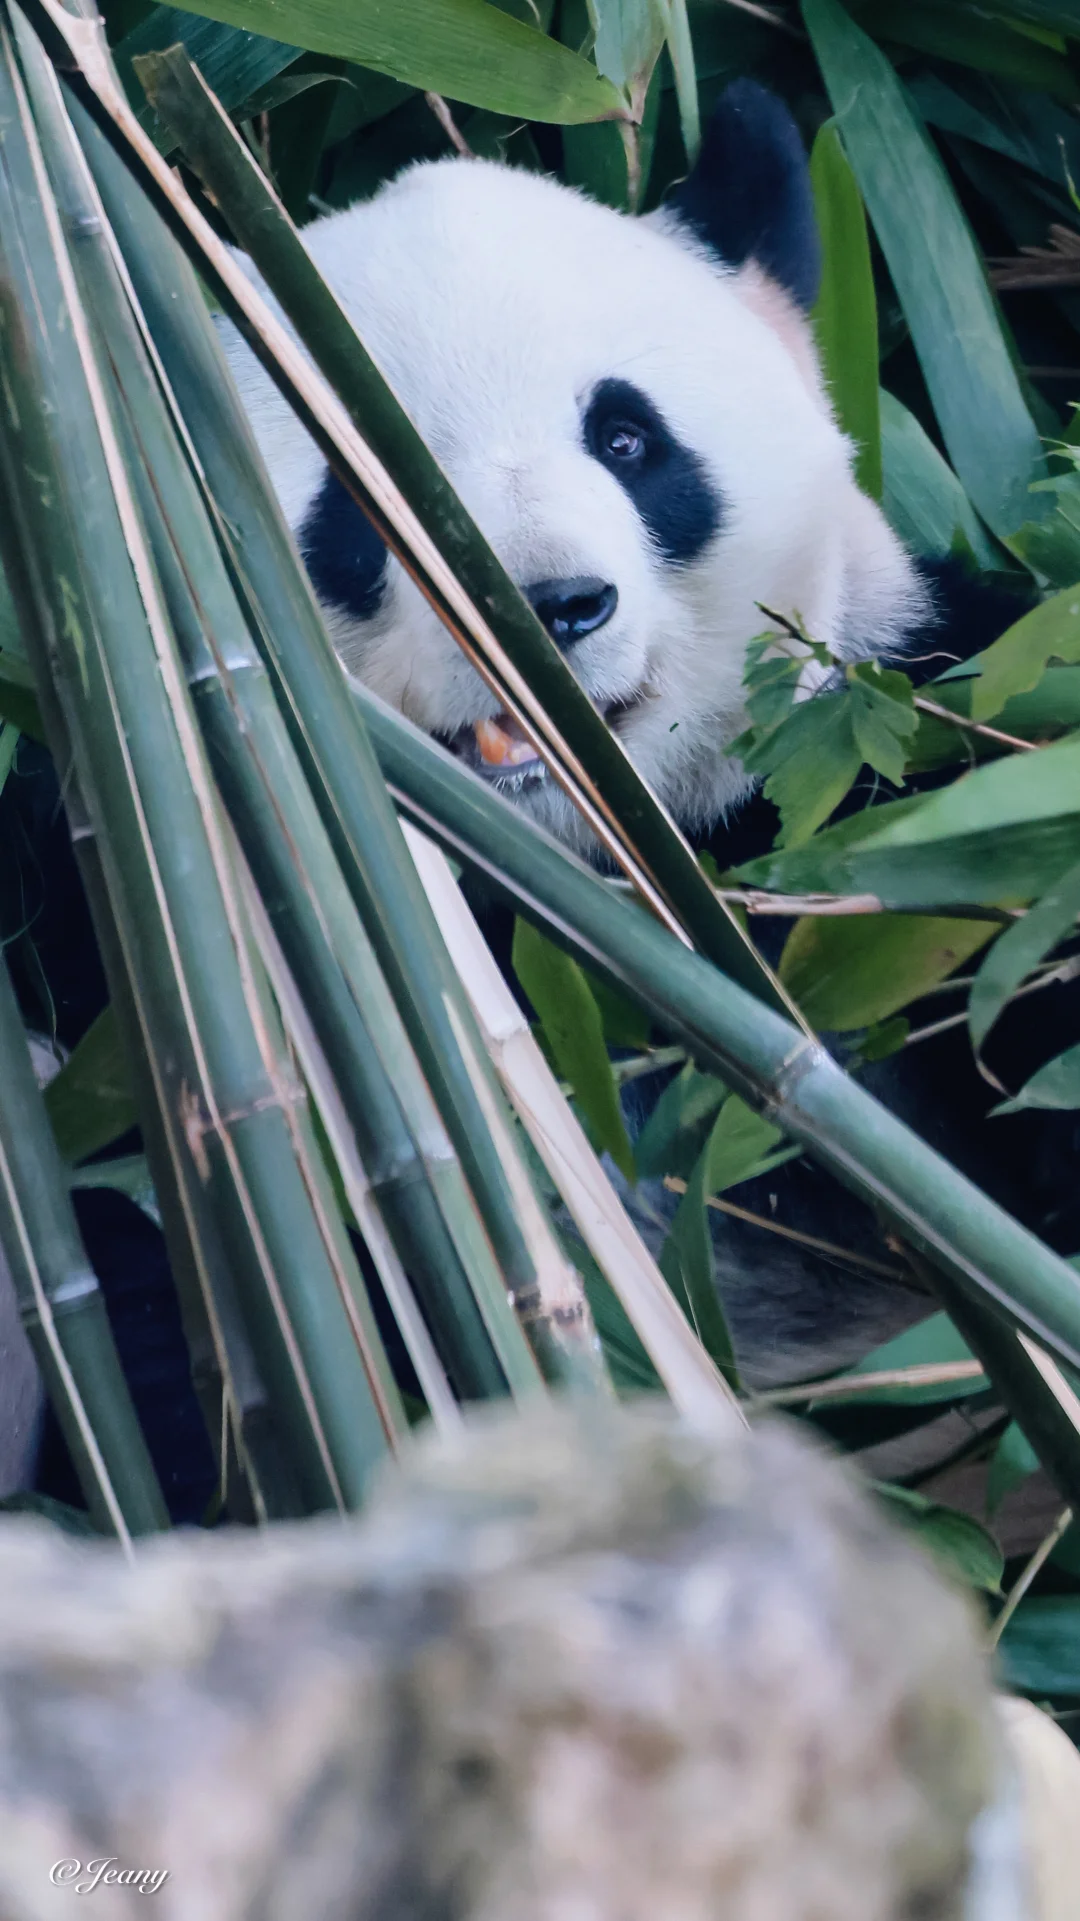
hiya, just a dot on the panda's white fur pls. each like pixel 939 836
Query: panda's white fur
pixel 494 301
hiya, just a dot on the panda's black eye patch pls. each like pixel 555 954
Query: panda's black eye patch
pixel 344 556
pixel 664 478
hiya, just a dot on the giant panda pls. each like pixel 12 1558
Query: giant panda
pixel 634 413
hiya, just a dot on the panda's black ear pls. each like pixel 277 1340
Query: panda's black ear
pixel 749 196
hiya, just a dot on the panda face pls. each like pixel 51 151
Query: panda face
pixel 640 432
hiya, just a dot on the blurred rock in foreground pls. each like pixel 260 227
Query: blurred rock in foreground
pixel 570 1667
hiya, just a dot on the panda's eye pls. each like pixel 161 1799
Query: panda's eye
pixel 622 442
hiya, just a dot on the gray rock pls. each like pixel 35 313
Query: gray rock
pixel 581 1665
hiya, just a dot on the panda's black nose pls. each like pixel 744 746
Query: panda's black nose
pixel 570 609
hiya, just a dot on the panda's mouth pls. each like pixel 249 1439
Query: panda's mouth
pixel 498 749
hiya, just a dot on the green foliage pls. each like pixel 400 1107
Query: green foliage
pixel 960 1546
pixel 851 971
pixel 936 269
pixel 467 49
pixel 1019 950
pixel 810 752
pixel 1039 1651
pixel 1057 1085
pixel 571 1024
pixel 1004 833
pixel 90 1102
pixel 845 316
pixel 1015 663
pixel 1014 1460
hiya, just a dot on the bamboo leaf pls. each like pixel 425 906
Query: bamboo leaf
pixel 681 54
pixel 688 1263
pixel 1015 662
pixel 571 1024
pixel 740 1140
pixel 1008 831
pixel 628 37
pixel 233 60
pixel 852 971
pixel 90 1102
pixel 1014 1460
pixel 679 1125
pixel 465 49
pixel 958 1543
pixel 845 314
pixel 289 87
pixel 923 500
pixel 1019 949
pixel 810 761
pixel 970 37
pixel 883 717
pixel 936 268
pixel 1040 1648
pixel 1057 1085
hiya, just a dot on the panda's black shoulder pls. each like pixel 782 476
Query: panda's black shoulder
pixel 969 612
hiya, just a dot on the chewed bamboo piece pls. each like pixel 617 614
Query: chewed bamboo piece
pixel 694 1384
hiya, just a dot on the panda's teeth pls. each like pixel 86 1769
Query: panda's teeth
pixel 501 743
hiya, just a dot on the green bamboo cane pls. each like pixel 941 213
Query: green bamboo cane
pixel 431 1216
pixel 280 829
pixel 524 666
pixel 196 1254
pixel 328 735
pixel 71 525
pixel 61 1304
pixel 994 1261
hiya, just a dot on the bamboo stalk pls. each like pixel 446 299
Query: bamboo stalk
pixel 692 1381
pixel 442 1406
pixel 527 670
pixel 90 592
pixel 61 1305
pixel 224 1374
pixel 327 733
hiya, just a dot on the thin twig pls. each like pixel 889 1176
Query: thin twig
pixel 795 906
pixel 1064 971
pixel 449 125
pixel 974 726
pixel 651 1063
pixel 756 901
pixel 770 19
pixel 677 1186
pixel 921 1374
pixel 1037 1562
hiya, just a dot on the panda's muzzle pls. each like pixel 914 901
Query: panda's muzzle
pixel 570 609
